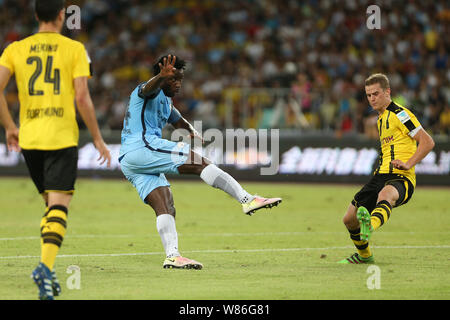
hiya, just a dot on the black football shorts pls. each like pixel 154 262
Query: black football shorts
pixel 53 170
pixel 368 195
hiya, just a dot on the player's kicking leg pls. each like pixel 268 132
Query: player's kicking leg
pixel 379 196
pixel 218 178
pixel 363 216
pixel 354 227
pixel 161 200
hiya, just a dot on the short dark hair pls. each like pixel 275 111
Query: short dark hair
pixel 48 10
pixel 379 78
pixel 180 64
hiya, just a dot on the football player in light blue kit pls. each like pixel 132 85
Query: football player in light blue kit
pixel 145 157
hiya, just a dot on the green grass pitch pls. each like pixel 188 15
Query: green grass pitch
pixel 286 253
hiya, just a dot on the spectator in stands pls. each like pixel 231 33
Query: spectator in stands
pixel 255 44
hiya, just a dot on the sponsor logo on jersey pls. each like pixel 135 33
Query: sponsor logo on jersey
pixel 388 139
pixel 403 116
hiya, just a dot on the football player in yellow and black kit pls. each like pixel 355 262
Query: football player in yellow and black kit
pixel 403 144
pixel 51 73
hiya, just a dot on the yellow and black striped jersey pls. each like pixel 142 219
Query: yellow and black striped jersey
pixel 45 65
pixel 397 126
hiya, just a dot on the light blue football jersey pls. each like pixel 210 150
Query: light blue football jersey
pixel 144 119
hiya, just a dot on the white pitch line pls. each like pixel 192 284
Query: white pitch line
pixel 224 251
pixel 224 234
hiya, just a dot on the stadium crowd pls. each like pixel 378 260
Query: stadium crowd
pixel 319 51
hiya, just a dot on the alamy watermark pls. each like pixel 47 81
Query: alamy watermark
pixel 73 282
pixel 374 280
pixel 239 147
pixel 374 19
pixel 73 20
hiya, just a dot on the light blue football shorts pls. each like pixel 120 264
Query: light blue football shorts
pixel 146 166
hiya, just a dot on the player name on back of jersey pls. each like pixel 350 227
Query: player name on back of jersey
pixel 45 112
pixel 43 47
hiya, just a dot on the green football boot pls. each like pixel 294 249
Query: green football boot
pixel 364 221
pixel 357 259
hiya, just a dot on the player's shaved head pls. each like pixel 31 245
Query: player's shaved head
pixel 48 10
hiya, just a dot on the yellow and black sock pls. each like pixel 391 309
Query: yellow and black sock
pixel 53 229
pixel 362 246
pixel 380 214
pixel 43 222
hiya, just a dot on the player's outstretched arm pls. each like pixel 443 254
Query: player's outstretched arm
pixel 182 123
pixel 12 132
pixel 167 69
pixel 426 144
pixel 86 109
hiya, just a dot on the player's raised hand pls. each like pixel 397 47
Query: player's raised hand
pixel 167 67
pixel 104 153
